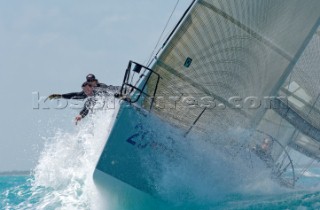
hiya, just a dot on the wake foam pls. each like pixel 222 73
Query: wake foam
pixel 62 178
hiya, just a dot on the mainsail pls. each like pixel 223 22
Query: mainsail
pixel 302 91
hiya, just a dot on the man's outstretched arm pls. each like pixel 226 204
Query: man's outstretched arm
pixel 74 95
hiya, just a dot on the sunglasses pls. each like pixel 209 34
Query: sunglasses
pixel 88 85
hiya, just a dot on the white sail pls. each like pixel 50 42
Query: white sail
pixel 236 49
pixel 231 65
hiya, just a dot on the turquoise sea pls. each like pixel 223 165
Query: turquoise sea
pixel 17 192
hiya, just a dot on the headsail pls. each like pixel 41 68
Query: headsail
pixel 233 48
pixel 229 55
pixel 233 64
pixel 230 65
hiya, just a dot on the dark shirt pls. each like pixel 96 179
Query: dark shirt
pixel 101 90
pixel 102 85
pixel 264 155
pixel 106 90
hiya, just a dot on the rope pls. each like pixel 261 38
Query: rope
pixel 149 60
pixel 306 168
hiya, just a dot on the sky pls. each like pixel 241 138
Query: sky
pixel 50 46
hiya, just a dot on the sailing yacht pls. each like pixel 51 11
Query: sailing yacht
pixel 230 75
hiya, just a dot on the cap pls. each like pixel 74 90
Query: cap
pixel 91 77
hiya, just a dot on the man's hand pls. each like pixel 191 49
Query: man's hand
pixel 117 95
pixel 78 118
pixel 54 96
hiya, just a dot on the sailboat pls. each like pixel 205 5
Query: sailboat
pixel 230 75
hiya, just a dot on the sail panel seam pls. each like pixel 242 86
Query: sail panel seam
pixel 247 29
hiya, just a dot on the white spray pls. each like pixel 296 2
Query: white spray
pixel 63 176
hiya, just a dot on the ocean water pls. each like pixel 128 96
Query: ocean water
pixel 62 178
pixel 18 192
